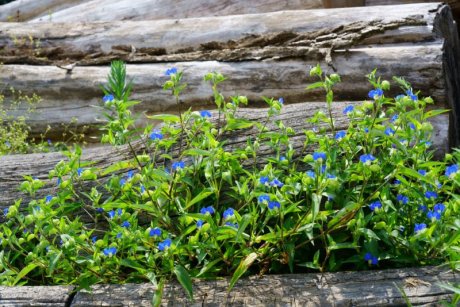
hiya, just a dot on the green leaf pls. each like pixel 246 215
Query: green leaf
pixel 53 262
pixel 315 85
pixel 202 195
pixel 316 199
pixel 133 264
pixel 235 124
pixel 118 166
pixel 196 152
pixel 157 297
pixel 165 117
pixel 184 279
pixel 241 269
pixel 450 288
pixel 24 272
pixel 433 113
pixel 245 220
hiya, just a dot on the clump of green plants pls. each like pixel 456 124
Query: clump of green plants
pixel 194 202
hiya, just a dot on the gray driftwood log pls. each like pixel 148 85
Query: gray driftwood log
pixel 260 55
pixel 109 10
pixel 365 288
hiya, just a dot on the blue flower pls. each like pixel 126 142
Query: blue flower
pixel 79 171
pixel 49 142
pixel 419 227
pixel 319 155
pixel 331 176
pixel 273 204
pixel 399 97
pixel 177 165
pixel 49 198
pixel 375 94
pixel 156 135
pixel 422 208
pixel 433 215
pixel 155 232
pixel 199 224
pixel 402 199
pixel 171 71
pixel 412 126
pixel 110 251
pixel 282 158
pixel 230 212
pixel 451 170
pixel 122 182
pixel 99 210
pixel 125 224
pixel 276 183
pixel 142 189
pixel 94 239
pixel 375 205
pixel 348 109
pixel 371 259
pixel 205 113
pixel 108 98
pixel 165 244
pixel 111 214
pixel 5 211
pixel 58 183
pixel 264 180
pixel 340 135
pixel 440 207
pixel 263 198
pixel 207 210
pixel 428 144
pixel 366 130
pixel 118 236
pixel 431 194
pixel 394 118
pixel 119 212
pixel 130 174
pixel 411 95
pixel 389 131
pixel 366 158
pixel 230 224
pixel 311 174
pixel 422 172
pixel 281 100
pixel 397 182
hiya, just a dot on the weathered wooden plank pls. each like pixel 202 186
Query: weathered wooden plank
pixel 370 288
pixel 109 10
pixel 303 33
pixel 22 10
pixel 73 95
pixel 14 167
pixel 36 296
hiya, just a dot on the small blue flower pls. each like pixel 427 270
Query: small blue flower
pixel 264 180
pixel 319 155
pixel 399 97
pixel 375 94
pixel 281 100
pixel 108 98
pixel 119 212
pixel 422 172
pixel 263 198
pixel 411 95
pixel 125 224
pixel 79 171
pixel 273 204
pixel 428 144
pixel 431 194
pixel 375 205
pixel 122 182
pixel 58 183
pixel 110 251
pixel 402 199
pixel 366 130
pixel 331 176
pixel 171 71
pixel 155 232
pixel 94 239
pixel 348 109
pixel 8 144
pixel 177 165
pixel 389 131
pixel 451 170
pixel 366 158
pixel 142 189
pixel 156 135
pixel 340 135
pixel 230 224
pixel 371 259
pixel 422 208
pixel 207 210
pixel 165 244
pixel 440 207
pixel 394 118
pixel 311 174
pixel 229 213
pixel 111 214
pixel 49 198
pixel 205 113
pixel 412 126
pixel 118 236
pixel 419 227
pixel 276 183
pixel 397 182
pixel 199 224
pixel 5 211
pixel 130 174
pixel 433 215
pixel 49 142
pixel 99 210
pixel 282 158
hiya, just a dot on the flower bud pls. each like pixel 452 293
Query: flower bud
pixel 385 85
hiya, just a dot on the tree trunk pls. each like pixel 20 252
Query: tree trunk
pixel 109 10
pixel 23 10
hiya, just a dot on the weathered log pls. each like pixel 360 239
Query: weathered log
pixel 109 10
pixel 305 34
pixel 14 167
pixel 36 296
pixel 370 288
pixel 22 10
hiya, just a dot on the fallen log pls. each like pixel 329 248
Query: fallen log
pixel 55 296
pixel 14 167
pixel 109 10
pixel 23 10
